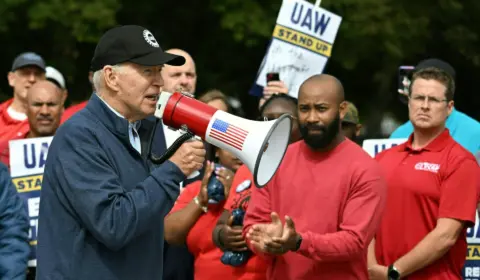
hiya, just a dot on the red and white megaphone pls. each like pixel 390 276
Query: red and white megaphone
pixel 259 145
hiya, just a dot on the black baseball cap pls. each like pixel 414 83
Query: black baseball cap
pixel 437 63
pixel 28 59
pixel 131 43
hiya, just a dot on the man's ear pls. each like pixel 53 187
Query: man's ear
pixel 90 77
pixel 65 95
pixel 358 129
pixel 343 109
pixel 110 77
pixel 450 105
pixel 11 79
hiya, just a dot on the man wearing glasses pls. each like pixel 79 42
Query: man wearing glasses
pixel 464 129
pixel 432 191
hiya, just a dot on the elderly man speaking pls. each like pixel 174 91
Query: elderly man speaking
pixel 103 202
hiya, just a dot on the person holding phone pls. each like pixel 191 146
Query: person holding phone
pixel 274 86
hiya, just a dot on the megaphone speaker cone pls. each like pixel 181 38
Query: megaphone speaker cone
pixel 259 145
pixel 273 150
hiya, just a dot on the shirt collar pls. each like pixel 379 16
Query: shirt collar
pixel 134 125
pixel 435 146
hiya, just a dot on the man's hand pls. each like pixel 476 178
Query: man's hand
pixel 261 234
pixel 288 240
pixel 274 87
pixel 189 157
pixel 377 272
pixel 406 85
pixel 231 237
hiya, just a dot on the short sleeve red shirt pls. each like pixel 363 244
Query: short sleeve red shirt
pixel 199 239
pixel 239 196
pixel 441 180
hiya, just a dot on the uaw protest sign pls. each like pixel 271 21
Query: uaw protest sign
pixel 471 270
pixel 27 160
pixel 374 146
pixel 301 45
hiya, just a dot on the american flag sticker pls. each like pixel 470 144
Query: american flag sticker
pixel 228 134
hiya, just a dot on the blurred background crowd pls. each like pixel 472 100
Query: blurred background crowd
pixel 229 38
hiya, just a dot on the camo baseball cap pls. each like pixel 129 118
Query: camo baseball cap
pixel 352 114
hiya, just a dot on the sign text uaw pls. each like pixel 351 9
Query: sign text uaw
pixel 27 161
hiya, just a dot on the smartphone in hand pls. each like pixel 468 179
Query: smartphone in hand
pixel 273 76
pixel 404 76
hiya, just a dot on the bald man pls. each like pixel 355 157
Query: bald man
pixel 180 78
pixel 318 214
pixel 44 110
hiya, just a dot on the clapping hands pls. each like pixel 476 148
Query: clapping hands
pixel 274 238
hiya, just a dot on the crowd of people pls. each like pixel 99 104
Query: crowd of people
pixel 107 211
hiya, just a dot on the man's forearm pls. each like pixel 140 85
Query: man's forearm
pixel 338 246
pixel 371 257
pixel 427 251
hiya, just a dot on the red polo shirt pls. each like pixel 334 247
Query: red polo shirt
pixel 441 180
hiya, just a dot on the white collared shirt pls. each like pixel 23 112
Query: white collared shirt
pixel 132 129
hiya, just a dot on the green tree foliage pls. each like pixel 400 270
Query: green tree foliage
pixel 375 38
pixel 228 40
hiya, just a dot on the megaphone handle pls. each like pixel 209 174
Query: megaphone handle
pixel 173 148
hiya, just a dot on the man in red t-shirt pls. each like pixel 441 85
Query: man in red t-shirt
pixel 27 69
pixel 316 217
pixel 432 191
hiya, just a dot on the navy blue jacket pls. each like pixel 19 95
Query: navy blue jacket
pixel 14 226
pixel 103 204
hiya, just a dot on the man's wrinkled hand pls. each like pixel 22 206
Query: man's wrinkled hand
pixel 189 157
